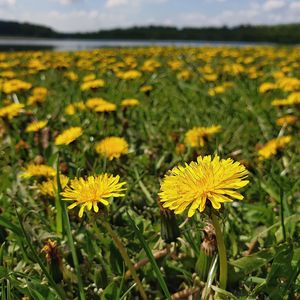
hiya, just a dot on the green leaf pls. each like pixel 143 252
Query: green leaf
pixel 39 291
pixel 281 272
pixel 253 262
pixel 5 222
pixel 224 294
pixel 110 292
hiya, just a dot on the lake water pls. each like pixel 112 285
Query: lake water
pixel 14 44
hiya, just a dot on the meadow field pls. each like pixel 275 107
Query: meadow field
pixel 150 173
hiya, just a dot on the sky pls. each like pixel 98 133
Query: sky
pixel 93 15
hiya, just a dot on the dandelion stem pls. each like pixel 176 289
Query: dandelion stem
pixel 222 252
pixel 74 254
pixel 67 230
pixel 126 258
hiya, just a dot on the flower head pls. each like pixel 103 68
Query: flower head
pixel 33 170
pixel 272 146
pixel 36 126
pixel 15 85
pixel 93 190
pixel 112 147
pixel 105 107
pixel 93 84
pixel 196 137
pixel 287 120
pixel 49 187
pixel 146 88
pixel 207 179
pixel 11 110
pixel 130 102
pixel 68 136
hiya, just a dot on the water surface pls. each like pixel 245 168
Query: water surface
pixel 14 44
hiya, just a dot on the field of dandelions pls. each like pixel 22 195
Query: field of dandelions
pixel 150 173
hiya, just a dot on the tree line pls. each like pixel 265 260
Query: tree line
pixel 285 33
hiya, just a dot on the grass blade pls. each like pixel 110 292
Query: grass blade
pixel 151 258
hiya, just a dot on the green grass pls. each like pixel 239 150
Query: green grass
pixel 261 232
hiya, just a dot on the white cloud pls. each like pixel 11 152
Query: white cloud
pixel 295 5
pixel 65 2
pixel 213 1
pixel 7 2
pixel 270 5
pixel 131 3
pixel 115 3
pixel 134 12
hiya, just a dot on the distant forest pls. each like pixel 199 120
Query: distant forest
pixel 287 33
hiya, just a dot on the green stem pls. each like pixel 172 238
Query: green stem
pixel 58 202
pixel 67 231
pixel 126 258
pixel 222 252
pixel 282 215
pixel 73 252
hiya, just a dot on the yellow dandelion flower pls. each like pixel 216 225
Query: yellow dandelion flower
pixel 184 75
pixel 94 102
pixel 70 110
pixel 40 91
pixel 281 102
pixel 146 88
pixel 68 136
pixel 36 126
pixel 294 98
pixel 94 84
pixel 105 107
pixel 207 179
pixel 266 87
pixel 33 170
pixel 49 187
pixel 112 147
pixel 15 85
pixel 88 193
pixel 131 74
pixel 8 74
pixel 210 77
pixel 11 110
pixel 286 120
pixel 272 146
pixel 71 76
pixel 175 64
pixel 89 77
pixel 130 102
pixel 196 137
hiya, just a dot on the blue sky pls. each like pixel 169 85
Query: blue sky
pixel 89 15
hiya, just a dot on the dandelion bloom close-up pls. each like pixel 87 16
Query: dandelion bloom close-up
pixel 68 136
pixel 92 191
pixel 112 147
pixel 207 179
